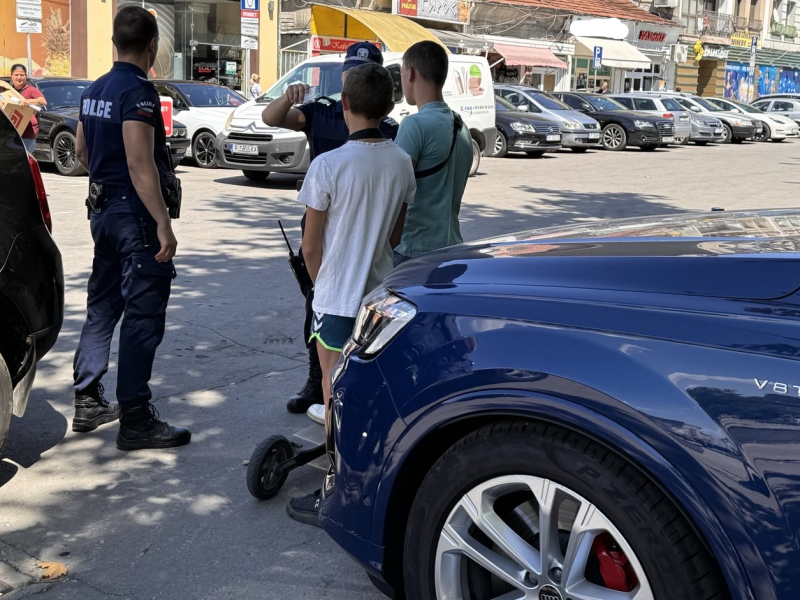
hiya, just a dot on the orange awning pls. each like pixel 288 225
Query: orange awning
pixel 529 57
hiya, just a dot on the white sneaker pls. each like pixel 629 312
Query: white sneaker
pixel 316 412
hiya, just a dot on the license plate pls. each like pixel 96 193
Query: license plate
pixel 594 136
pixel 553 138
pixel 667 140
pixel 718 131
pixel 244 149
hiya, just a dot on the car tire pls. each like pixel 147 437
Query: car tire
pixel 728 134
pixel 476 158
pixel 6 402
pixel 579 150
pixel 766 133
pixel 65 155
pixel 496 475
pixel 500 145
pixel 615 138
pixel 204 150
pixel 652 147
pixel 536 153
pixel 256 175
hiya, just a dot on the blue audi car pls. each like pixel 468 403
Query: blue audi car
pixel 599 412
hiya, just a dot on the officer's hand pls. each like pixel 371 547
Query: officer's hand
pixel 169 243
pixel 297 92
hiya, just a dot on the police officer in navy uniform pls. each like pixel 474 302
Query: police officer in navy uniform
pixel 323 122
pixel 122 142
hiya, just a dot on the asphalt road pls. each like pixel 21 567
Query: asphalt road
pixel 180 524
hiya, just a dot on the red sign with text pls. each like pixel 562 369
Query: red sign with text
pixel 326 44
pixel 408 8
pixel 250 14
pixel 652 36
pixel 166 114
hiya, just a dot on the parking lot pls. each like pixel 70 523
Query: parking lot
pixel 181 524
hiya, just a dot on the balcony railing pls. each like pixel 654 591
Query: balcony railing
pixel 710 23
pixel 748 25
pixel 781 30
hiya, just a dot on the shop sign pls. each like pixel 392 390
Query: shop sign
pixel 652 36
pixel 450 11
pixel 338 45
pixel 743 40
pixel 250 15
pixel 230 67
pixel 715 52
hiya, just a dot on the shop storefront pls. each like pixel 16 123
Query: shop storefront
pixel 775 72
pixel 655 42
pixel 711 76
pixel 537 63
pixel 621 62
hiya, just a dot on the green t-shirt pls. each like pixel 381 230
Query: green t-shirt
pixel 432 221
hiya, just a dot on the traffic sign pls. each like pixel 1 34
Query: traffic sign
pixel 249 43
pixel 250 15
pixel 29 26
pixel 598 57
pixel 754 43
pixel 29 11
pixel 249 29
pixel 250 5
pixel 39 2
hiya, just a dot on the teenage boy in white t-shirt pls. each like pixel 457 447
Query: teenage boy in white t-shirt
pixel 356 198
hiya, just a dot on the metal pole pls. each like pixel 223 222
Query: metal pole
pixel 30 63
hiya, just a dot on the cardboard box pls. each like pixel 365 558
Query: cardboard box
pixel 10 104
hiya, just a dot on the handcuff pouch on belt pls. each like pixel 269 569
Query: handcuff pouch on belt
pixel 170 190
pixel 95 200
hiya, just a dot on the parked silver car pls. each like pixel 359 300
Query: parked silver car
pixel 579 132
pixel 663 107
pixel 787 107
pixel 709 123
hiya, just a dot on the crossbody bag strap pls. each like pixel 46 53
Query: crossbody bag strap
pixel 457 123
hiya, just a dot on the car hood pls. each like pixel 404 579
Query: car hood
pixel 518 115
pixel 728 255
pixel 631 114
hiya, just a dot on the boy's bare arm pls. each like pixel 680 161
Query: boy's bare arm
pixel 312 241
pixel 397 232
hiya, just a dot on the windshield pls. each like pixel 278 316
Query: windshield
pixel 549 103
pixel 601 103
pixel 202 95
pixel 63 94
pixel 745 107
pixel 671 105
pixel 707 105
pixel 500 104
pixel 324 79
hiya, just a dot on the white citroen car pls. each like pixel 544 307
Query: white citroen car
pixel 775 127
pixel 204 108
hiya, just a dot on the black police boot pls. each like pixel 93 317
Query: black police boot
pixel 92 409
pixel 140 428
pixel 312 390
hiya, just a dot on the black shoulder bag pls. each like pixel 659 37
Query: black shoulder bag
pixel 457 123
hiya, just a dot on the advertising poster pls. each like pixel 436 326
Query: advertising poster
pixel 50 50
pixel 767 80
pixel 738 83
pixel 789 82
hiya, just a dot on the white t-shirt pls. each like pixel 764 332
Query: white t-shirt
pixel 362 186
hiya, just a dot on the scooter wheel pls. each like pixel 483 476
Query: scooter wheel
pixel 265 477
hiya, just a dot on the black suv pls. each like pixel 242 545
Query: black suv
pixel 31 276
pixel 621 127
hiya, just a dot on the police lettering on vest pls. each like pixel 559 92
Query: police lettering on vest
pixel 97 108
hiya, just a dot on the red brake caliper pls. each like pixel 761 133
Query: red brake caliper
pixel 615 569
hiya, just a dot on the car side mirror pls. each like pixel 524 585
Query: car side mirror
pixel 695 109
pixel 586 107
pixel 523 108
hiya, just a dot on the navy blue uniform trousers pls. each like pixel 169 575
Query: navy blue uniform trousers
pixel 126 280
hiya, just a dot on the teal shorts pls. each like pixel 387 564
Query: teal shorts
pixel 331 331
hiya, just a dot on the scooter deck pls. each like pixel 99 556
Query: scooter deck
pixel 309 437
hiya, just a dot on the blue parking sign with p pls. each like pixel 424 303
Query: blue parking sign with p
pixel 249 4
pixel 598 57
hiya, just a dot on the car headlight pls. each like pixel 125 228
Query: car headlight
pixel 228 122
pixel 571 125
pixel 644 124
pixel 776 120
pixel 381 317
pixel 742 123
pixel 522 127
pixel 699 123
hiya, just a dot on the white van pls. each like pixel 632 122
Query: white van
pixel 247 143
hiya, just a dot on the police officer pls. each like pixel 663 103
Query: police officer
pixel 122 142
pixel 323 122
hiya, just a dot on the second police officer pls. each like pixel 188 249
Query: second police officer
pixel 122 142
pixel 323 122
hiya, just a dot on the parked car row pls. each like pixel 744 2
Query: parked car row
pixel 647 120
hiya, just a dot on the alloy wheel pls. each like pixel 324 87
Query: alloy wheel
pixel 765 134
pixel 523 537
pixel 205 153
pixel 498 144
pixel 65 152
pixel 613 137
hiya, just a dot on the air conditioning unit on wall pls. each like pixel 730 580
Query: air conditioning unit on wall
pixel 678 53
pixel 666 3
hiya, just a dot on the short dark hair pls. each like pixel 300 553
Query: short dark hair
pixel 18 66
pixel 429 59
pixel 369 90
pixel 134 29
